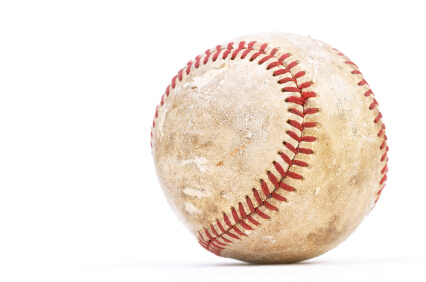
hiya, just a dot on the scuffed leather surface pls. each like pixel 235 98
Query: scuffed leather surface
pixel 222 126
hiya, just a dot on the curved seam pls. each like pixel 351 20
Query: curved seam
pixel 382 131
pixel 212 243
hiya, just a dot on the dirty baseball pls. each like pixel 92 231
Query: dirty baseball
pixel 270 148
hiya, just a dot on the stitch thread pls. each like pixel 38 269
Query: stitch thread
pixel 381 134
pixel 219 237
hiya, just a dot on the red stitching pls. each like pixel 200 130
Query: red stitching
pixel 305 151
pixel 245 225
pixel 273 178
pixel 287 187
pixel 294 136
pixel 295 124
pixel 382 131
pixel 206 58
pixel 252 220
pixel 180 75
pixel 285 70
pixel 309 124
pixel 286 79
pixel 229 49
pixel 280 169
pixel 197 62
pixel 232 235
pixel 242 210
pixel 293 175
pixel 270 206
pixel 215 241
pixel 278 197
pixel 300 163
pixel 286 159
pixel 368 93
pixel 174 81
pixel 290 147
pixel 227 221
pixel 250 204
pixel 213 230
pixel 296 112
pixel 257 197
pixel 261 214
pixel 235 228
pixel 299 74
pixel 235 215
pixel 294 89
pixel 265 189
pixel 188 68
pixel 216 54
pixel 208 234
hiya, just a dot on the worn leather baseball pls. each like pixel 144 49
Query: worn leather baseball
pixel 270 148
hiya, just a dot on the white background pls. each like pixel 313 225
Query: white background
pixel 79 82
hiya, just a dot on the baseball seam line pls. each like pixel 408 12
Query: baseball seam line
pixel 378 120
pixel 223 236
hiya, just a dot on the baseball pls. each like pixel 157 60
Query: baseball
pixel 270 148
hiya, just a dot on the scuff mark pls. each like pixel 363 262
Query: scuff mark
pixel 191 209
pixel 199 162
pixel 271 239
pixel 317 190
pixel 204 79
pixel 196 192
